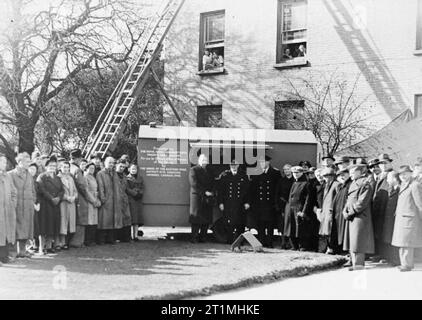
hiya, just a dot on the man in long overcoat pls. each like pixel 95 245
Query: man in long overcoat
pixel 262 194
pixel 8 201
pixel 233 187
pixel 359 233
pixel 379 204
pixel 109 219
pixel 282 191
pixel 326 215
pixel 121 203
pixel 201 199
pixel 78 238
pixel 408 224
pixel 299 217
pixel 26 199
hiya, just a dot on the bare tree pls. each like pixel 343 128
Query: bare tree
pixel 332 109
pixel 44 47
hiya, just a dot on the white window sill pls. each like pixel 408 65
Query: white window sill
pixel 292 63
pixel 417 52
pixel 212 72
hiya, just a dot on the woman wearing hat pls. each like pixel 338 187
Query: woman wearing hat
pixel 408 224
pixel 51 192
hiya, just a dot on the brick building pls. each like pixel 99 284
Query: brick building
pixel 260 44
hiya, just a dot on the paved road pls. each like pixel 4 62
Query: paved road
pixel 375 282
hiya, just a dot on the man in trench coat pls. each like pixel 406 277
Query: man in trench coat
pixel 109 219
pixel 407 233
pixel 359 233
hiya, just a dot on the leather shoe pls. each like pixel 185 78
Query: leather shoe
pixel 405 269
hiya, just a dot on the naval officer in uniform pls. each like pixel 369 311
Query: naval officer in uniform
pixel 263 197
pixel 233 201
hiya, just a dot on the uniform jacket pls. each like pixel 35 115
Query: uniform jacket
pixel 201 180
pixel 359 233
pixel 233 193
pixel 262 194
pixel 326 219
pixel 8 202
pixel 26 198
pixel 408 223
pixel 108 217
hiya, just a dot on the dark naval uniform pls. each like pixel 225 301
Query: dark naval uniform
pixel 233 194
pixel 263 197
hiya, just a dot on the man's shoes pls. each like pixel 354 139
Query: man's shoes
pixel 201 240
pixel 194 240
pixel 375 259
pixel 356 268
pixel 52 250
pixel 405 269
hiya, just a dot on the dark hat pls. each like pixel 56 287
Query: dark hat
pixel 267 157
pixel 404 169
pixel 361 167
pixel 234 162
pixel 342 159
pixel 384 158
pixel 328 157
pixel 125 157
pixel 360 160
pixel 76 154
pixel 344 170
pixel 374 162
pixel 53 158
pixel 305 163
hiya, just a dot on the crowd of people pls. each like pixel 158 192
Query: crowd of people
pixel 348 206
pixel 49 203
pixel 211 60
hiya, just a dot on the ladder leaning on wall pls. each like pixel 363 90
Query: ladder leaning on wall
pixel 111 122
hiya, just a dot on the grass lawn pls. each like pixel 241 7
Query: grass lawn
pixel 161 266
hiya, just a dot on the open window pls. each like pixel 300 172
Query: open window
pixel 292 32
pixel 211 46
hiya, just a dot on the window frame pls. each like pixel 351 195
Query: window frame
pixel 417 112
pixel 221 43
pixel 418 44
pixel 296 61
pixel 299 104
pixel 218 107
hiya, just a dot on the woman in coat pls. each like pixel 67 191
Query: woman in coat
pixel 67 206
pixel 8 202
pixel 24 185
pixel 88 208
pixel 52 191
pixel 408 224
pixel 390 253
pixel 359 233
pixel 135 191
pixel 121 204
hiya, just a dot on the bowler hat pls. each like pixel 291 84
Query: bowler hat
pixel 53 158
pixel 404 169
pixel 76 154
pixel 384 158
pixel 374 162
pixel 342 159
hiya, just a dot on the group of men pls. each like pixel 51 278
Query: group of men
pixel 347 206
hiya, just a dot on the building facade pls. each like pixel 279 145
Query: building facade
pixel 261 48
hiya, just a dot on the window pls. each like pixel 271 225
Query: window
pixel 210 116
pixel 289 115
pixel 418 105
pixel 292 31
pixel 211 46
pixel 419 27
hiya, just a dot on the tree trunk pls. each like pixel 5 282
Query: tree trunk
pixel 26 137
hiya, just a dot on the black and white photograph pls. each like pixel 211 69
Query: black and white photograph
pixel 210 156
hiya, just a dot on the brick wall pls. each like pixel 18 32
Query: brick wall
pixel 381 50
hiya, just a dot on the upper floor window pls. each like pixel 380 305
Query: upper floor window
pixel 292 31
pixel 418 106
pixel 212 36
pixel 209 116
pixel 419 27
